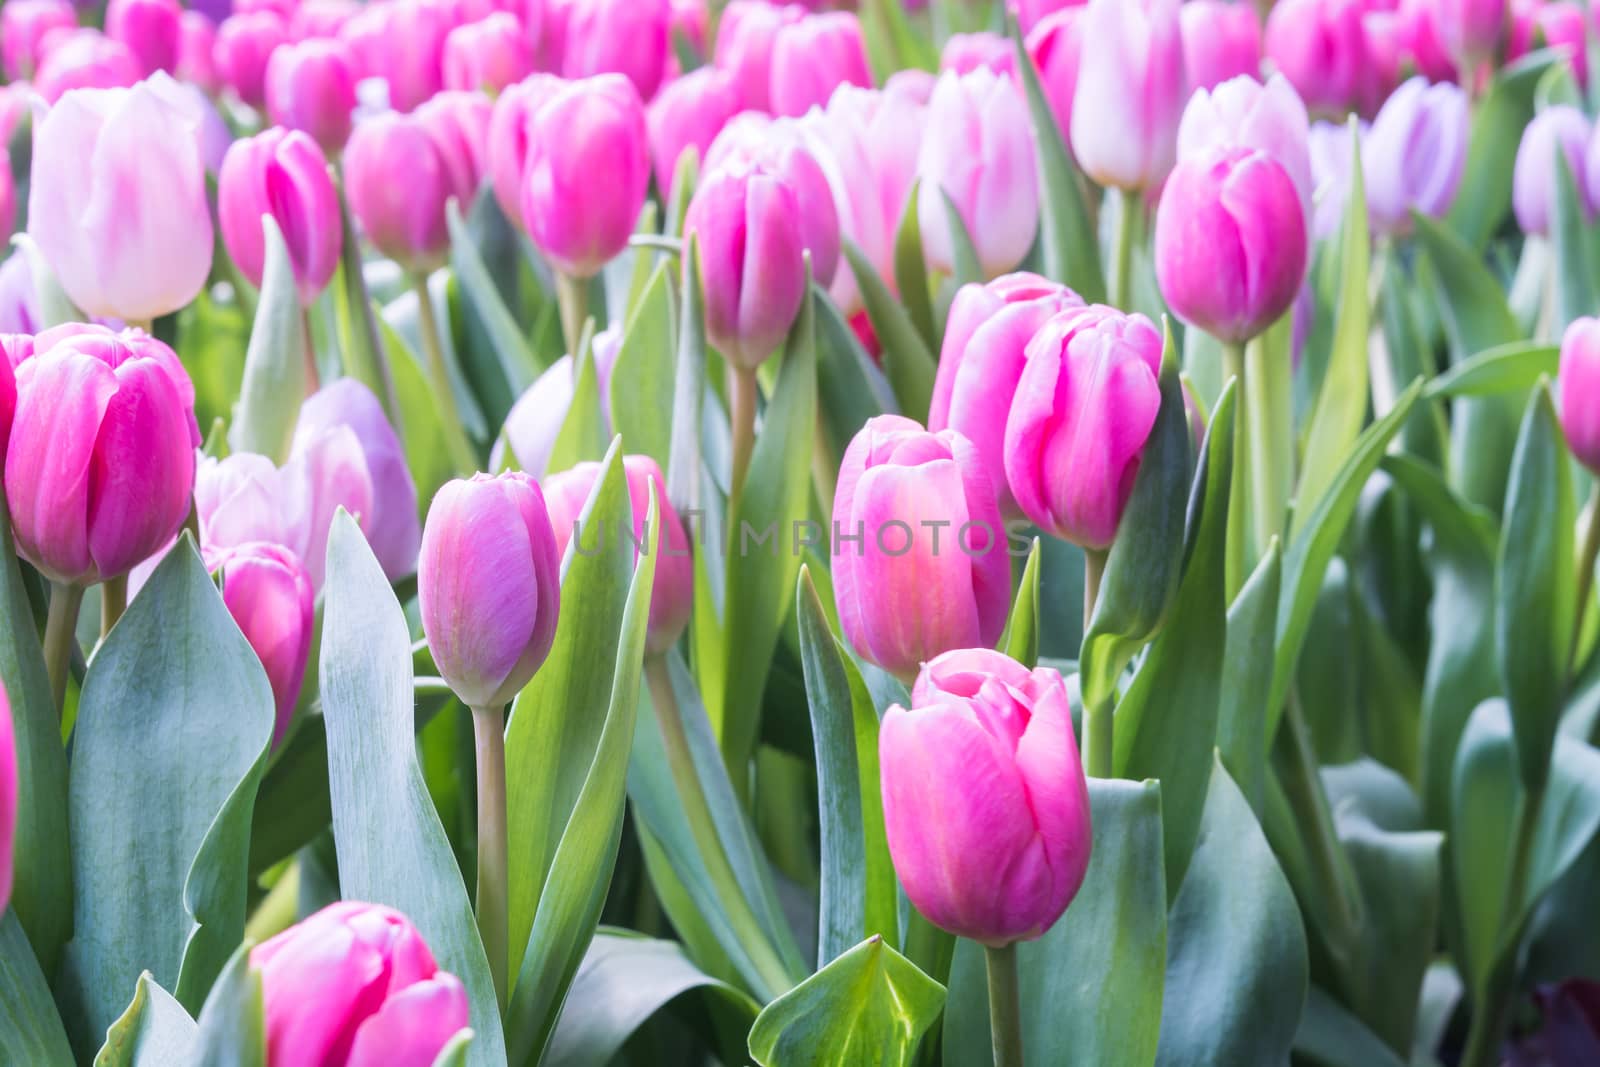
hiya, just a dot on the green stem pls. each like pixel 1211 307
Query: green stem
pixel 572 299
pixel 744 391
pixel 1586 563
pixel 1128 208
pixel 364 356
pixel 489 732
pixel 113 602
pixel 313 373
pixel 1098 743
pixel 1094 569
pixel 1237 565
pixel 1271 447
pixel 1233 363
pixel 462 456
pixel 59 638
pixel 1005 1006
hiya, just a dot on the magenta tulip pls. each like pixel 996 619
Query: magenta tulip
pixel 985 348
pixel 1560 128
pixel 356 985
pixel 1055 45
pixel 1130 93
pixel 150 30
pixel 672 594
pixel 508 137
pixel 83 59
pixel 281 173
pixel 8 396
pixel 1030 13
pixel 919 553
pixel 1221 40
pixel 813 56
pixel 1414 157
pixel 458 121
pixel 688 113
pixel 311 86
pixel 245 44
pixel 535 420
pixel 412 49
pixel 489 585
pixel 590 127
pixel 1421 38
pixel 197 43
pixel 24 24
pixel 399 182
pixel 1326 50
pixel 8 799
pixel 1579 388
pixel 487 55
pixel 745 36
pixel 984 797
pixel 100 466
pixel 1084 409
pixel 268 593
pixel 627 37
pixel 1243 113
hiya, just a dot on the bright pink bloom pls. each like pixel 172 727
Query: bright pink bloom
pixel 508 137
pixel 24 24
pixel 311 86
pixel 1032 12
pixel 1243 113
pixel 1221 40
pixel 688 113
pixel 487 55
pixel 284 174
pixel 412 59
pixel 150 30
pixel 1579 388
pixel 1056 44
pixel 8 798
pixel 745 36
pixel 83 59
pixel 627 37
pixel 1325 49
pixel 814 56
pixel 458 122
pixel 398 182
pixel 323 19
pixel 8 393
pixel 1130 93
pixel 245 44
pixel 268 593
pixel 197 42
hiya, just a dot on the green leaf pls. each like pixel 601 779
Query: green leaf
pixel 170 902
pixel 871 1005
pixel 361 346
pixel 965 266
pixel 427 453
pixel 1092 985
pixel 233 1025
pixel 1329 1036
pixel 516 356
pixel 391 848
pixel 1236 959
pixel 1498 120
pixel 1242 714
pixel 583 435
pixel 1569 232
pixel 580 872
pixel 911 269
pixel 155 1031
pixel 644 372
pixel 850 387
pixel 30 1030
pixel 1020 640
pixel 454 1053
pixel 688 392
pixel 275 361
pixel 907 359
pixel 1535 590
pixel 1510 368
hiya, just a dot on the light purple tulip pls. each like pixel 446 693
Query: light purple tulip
pixel 1130 94
pixel 688 113
pixel 1055 45
pixel 399 182
pixel 1329 145
pixel 268 593
pixel 812 57
pixel 672 593
pixel 487 55
pixel 83 59
pixel 919 552
pixel 281 173
pixel 984 798
pixel 1243 113
pixel 326 471
pixel 627 37
pixel 508 137
pixel 1579 388
pixel 150 30
pixel 745 36
pixel 356 985
pixel 488 584
pixel 245 44
pixel 8 799
pixel 1560 128
pixel 19 305
pixel 311 86
pixel 1083 412
pixel 984 351
pixel 241 499
pixel 1415 154
pixel 535 420
pixel 1221 40
pixel 100 465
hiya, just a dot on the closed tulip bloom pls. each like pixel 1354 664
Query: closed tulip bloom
pixel 979 151
pixel 321 19
pixel 8 799
pixel 1561 128
pixel 243 498
pixel 268 593
pixel 1323 48
pixel 812 57
pixel 1471 28
pixel 197 42
pixel 150 30
pixel 326 471
pixel 591 127
pixel 284 174
pixel 745 36
pixel 985 348
pixel 24 24
pixel 672 594
pixel 1083 412
pixel 924 569
pixel 688 113
pixel 1243 113
pixel 965 52
pixel 1421 38
pixel 413 49
pixel 245 44
pixel 398 183
pixel 1579 388
pixel 100 466
pixel 1055 45
pixel 535 420
pixel 1032 12
pixel 458 122
pixel 984 798
pixel 356 985
pixel 311 86
pixel 84 59
pixel 1221 40
pixel 746 221
pixel 1131 91
pixel 487 55
pixel 1415 154
pixel 627 37
pixel 508 137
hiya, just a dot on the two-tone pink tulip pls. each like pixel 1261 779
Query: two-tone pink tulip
pixel 508 137
pixel 311 86
pixel 487 55
pixel 281 173
pixel 1579 388
pixel 268 592
pixel 1130 93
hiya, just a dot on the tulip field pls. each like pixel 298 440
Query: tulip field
pixel 910 533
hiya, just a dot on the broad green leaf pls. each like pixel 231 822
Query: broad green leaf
pixel 1329 1036
pixel 275 361
pixel 1020 640
pixel 583 436
pixel 688 393
pixel 907 359
pixel 1510 368
pixel 1242 714
pixel 1483 820
pixel 850 387
pixel 422 432
pixel 292 805
pixel 233 1025
pixel 1406 354
pixel 870 1005
pixel 964 257
pixel 1236 960
pixel 155 1031
pixel 391 848
pixel 1092 985
pixel 173 902
pixel 646 365
pixel 30 1029
pixel 361 347
pixel 1574 279
pixel 911 270
pixel 516 356
pixel 1498 120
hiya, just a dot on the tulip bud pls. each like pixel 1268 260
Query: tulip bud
pixel 921 566
pixel 8 798
pixel 1579 388
pixel 745 36
pixel 627 37
pixel 1471 28
pixel 752 259
pixel 507 147
pixel 413 50
pixel 577 222
pixel 984 798
pixel 1221 40
pixel 311 86
pixel 197 42
pixel 284 174
pixel 241 499
pixel 535 420
pixel 1242 113
pixel 100 465
pixel 1325 49
pixel 321 19
pixel 24 24
pixel 1084 409
pixel 985 347
pixel 979 151
pixel 356 984
pixel 326 471
pixel 150 30
pixel 672 594
pixel 245 44
pixel 1415 154
pixel 1055 44
pixel 1560 128
pixel 1130 94
pixel 488 583
pixel 458 122
pixel 398 183
pixel 268 593
pixel 83 59
pixel 966 52
pixel 487 55
pixel 812 57
pixel 688 113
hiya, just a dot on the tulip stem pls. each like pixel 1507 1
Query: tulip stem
pixel 744 391
pixel 572 299
pixel 60 630
pixel 1586 562
pixel 462 455
pixel 1005 1005
pixel 113 602
pixel 1127 237
pixel 1094 568
pixel 489 730
pixel 1098 735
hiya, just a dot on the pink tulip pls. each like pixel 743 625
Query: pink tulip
pixel 966 52
pixel 197 42
pixel 356 985
pixel 1421 39
pixel 245 44
pixel 1471 28
pixel 1055 45
pixel 8 196
pixel 1560 128
pixel 979 151
pixel 1579 389
pixel 812 57
pixel 458 122
pixel 24 24
pixel 919 552
pixel 1243 113
pixel 1562 27
pixel 1032 12
pixel 321 19
pixel 1130 93
pixel 1221 40
pixel 126 230
pixel 980 364
pixel 150 30
pixel 413 50
pixel 488 584
pixel 1084 409
pixel 1323 48
pixel 672 594
pixel 627 37
pixel 8 798
pixel 245 498
pixel 1414 157
pixel 590 127
pixel 508 138
pixel 8 396
pixel 745 38
pixel 311 86
pixel 398 182
pixel 366 34
pixel 688 113
pixel 487 55
pixel 1231 242
pixel 535 420
pixel 984 797
pixel 268 593
pixel 326 471
pixel 83 59
pixel 284 174
pixel 100 466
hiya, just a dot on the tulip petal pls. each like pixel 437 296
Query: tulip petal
pixel 412 1026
